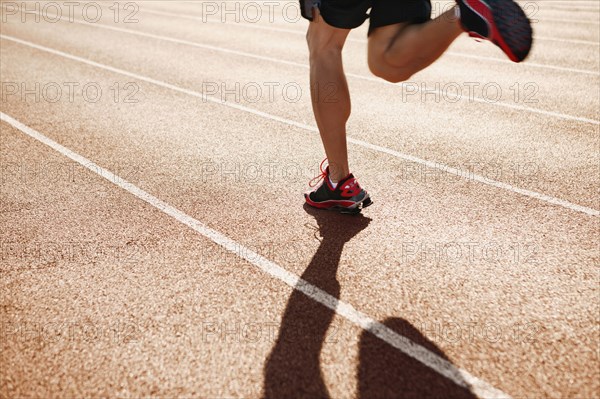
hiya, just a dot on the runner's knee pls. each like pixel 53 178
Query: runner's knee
pixel 323 44
pixel 324 40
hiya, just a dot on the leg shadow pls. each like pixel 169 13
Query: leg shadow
pixel 292 369
pixel 385 372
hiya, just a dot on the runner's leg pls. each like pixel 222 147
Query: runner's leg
pixel 398 51
pixel 329 91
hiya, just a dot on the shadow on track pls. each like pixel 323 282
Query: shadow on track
pixel 293 368
pixel 385 372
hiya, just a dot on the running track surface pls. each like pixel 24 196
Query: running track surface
pixel 154 240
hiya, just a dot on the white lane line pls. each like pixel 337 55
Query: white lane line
pixel 569 21
pixel 524 64
pixel 434 165
pixel 418 88
pixel 441 366
pixel 572 41
pixel 480 179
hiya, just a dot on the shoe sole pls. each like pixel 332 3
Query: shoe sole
pixel 358 207
pixel 510 29
pixel 351 210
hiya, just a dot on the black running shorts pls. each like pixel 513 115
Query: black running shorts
pixel 350 14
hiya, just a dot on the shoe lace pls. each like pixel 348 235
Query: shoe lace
pixel 317 179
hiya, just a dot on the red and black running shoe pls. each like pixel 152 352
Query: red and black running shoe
pixel 503 22
pixel 346 197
